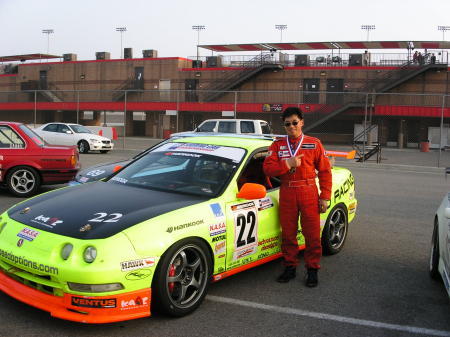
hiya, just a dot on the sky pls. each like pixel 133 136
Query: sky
pixel 85 27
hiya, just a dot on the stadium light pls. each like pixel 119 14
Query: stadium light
pixel 48 32
pixel 121 30
pixel 198 28
pixel 281 28
pixel 444 29
pixel 368 28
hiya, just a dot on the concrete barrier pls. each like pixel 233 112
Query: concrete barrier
pixel 105 131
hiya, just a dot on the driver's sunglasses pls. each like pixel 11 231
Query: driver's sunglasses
pixel 288 124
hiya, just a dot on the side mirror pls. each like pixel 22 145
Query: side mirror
pixel 447 212
pixel 117 168
pixel 251 191
pixel 69 132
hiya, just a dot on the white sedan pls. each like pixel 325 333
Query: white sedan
pixel 74 134
pixel 440 243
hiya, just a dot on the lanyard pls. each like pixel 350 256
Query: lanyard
pixel 293 152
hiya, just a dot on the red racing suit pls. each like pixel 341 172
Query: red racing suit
pixel 299 195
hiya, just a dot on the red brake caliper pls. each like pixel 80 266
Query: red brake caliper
pixel 171 273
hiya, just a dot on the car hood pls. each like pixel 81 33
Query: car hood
pixel 94 136
pixel 99 171
pixel 97 210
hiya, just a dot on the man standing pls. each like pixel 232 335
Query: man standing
pixel 295 159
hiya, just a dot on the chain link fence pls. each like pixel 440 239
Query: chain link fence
pixel 410 129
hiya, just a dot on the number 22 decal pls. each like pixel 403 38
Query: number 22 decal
pixel 246 228
pixel 105 217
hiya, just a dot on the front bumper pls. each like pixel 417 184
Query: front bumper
pixel 101 146
pixel 79 308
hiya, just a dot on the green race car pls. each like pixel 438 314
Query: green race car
pixel 155 233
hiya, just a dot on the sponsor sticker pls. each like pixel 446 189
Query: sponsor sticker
pixel 218 238
pixel 94 303
pixel 28 234
pixel 84 179
pixel 137 264
pixel 308 146
pixel 219 248
pixel 49 222
pixel 183 226
pixel 265 203
pixel 218 228
pixel 217 210
pixel 134 303
pixel 138 274
pixel 234 154
pixel 95 173
pixel 244 252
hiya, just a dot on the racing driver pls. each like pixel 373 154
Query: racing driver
pixel 295 159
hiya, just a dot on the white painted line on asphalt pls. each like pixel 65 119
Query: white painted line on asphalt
pixel 318 315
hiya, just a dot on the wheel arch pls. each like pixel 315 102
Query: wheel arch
pixel 174 242
pixel 13 166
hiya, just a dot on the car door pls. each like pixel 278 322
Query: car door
pixel 65 135
pixel 49 133
pixel 227 127
pixel 12 149
pixel 253 230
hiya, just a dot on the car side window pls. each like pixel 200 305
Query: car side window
pixel 51 128
pixel 63 128
pixel 247 127
pixel 207 127
pixel 254 173
pixel 265 128
pixel 227 127
pixel 9 139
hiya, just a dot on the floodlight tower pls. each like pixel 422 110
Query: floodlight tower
pixel 48 32
pixel 444 29
pixel 121 30
pixel 281 28
pixel 198 28
pixel 368 28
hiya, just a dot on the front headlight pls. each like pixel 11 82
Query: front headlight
pixel 2 225
pixel 95 288
pixel 89 255
pixel 67 249
pixel 95 141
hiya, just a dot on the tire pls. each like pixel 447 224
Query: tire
pixel 104 151
pixel 335 230
pixel 189 263
pixel 434 253
pixel 23 181
pixel 83 146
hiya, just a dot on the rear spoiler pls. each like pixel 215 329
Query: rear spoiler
pixel 348 155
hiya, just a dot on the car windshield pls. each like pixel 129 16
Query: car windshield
pixel 80 128
pixel 198 169
pixel 33 135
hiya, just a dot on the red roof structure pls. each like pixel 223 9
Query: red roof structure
pixel 27 57
pixel 329 45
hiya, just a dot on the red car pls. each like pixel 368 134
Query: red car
pixel 27 162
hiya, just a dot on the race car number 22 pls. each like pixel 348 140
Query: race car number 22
pixel 246 228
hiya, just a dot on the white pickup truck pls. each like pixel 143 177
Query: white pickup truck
pixel 244 126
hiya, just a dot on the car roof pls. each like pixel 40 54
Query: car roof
pixel 11 123
pixel 232 120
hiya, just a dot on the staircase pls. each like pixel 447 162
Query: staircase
pixel 382 83
pixel 233 79
pixel 128 84
pixel 365 149
pixel 49 91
